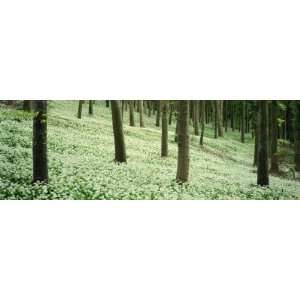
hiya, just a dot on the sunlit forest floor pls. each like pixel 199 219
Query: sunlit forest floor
pixel 81 165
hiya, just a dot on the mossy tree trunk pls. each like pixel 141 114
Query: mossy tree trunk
pixel 164 127
pixel 297 134
pixel 119 140
pixel 274 137
pixel 263 143
pixel 183 142
pixel 79 112
pixel 39 142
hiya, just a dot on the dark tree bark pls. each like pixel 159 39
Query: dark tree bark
pixel 157 113
pixel 164 127
pixel 107 103
pixel 39 142
pixel 120 150
pixel 274 137
pixel 141 112
pixel 219 119
pixel 243 121
pixel 297 134
pixel 183 142
pixel 131 113
pixel 170 114
pixel 263 141
pixel 215 109
pixel 27 105
pixel 196 117
pixel 202 121
pixel 79 113
pixel 91 110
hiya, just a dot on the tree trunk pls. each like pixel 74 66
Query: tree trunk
pixel 196 117
pixel 141 112
pixel 79 113
pixel 157 113
pixel 202 121
pixel 107 103
pixel 164 127
pixel 220 117
pixel 274 136
pixel 263 141
pixel 215 106
pixel 297 134
pixel 183 142
pixel 27 105
pixel 243 121
pixel 120 150
pixel 131 113
pixel 39 142
pixel 91 111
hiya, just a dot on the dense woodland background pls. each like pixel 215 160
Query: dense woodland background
pixel 149 149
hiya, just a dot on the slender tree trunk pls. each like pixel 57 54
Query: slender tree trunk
pixel 297 134
pixel 243 121
pixel 170 114
pixel 196 117
pixel 39 142
pixel 120 150
pixel 79 113
pixel 131 113
pixel 27 105
pixel 141 112
pixel 91 110
pixel 202 121
pixel 107 103
pixel 216 118
pixel 157 113
pixel 274 136
pixel 220 117
pixel 183 142
pixel 164 126
pixel 263 143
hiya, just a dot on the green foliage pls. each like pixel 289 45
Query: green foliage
pixel 81 166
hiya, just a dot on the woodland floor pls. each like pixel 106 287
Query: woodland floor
pixel 81 166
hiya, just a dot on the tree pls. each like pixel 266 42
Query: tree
pixel 27 105
pixel 183 142
pixel 262 154
pixel 202 121
pixel 39 142
pixel 157 123
pixel 219 118
pixel 119 140
pixel 243 117
pixel 196 117
pixel 141 112
pixel 164 127
pixel 131 113
pixel 297 134
pixel 274 136
pixel 91 111
pixel 79 113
